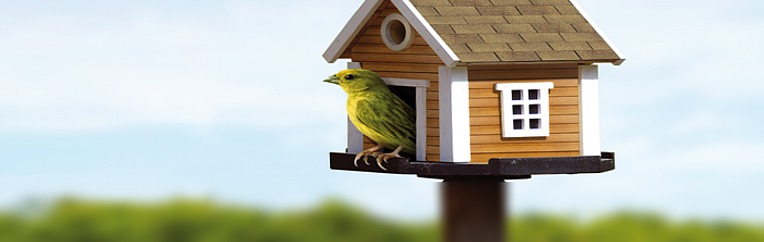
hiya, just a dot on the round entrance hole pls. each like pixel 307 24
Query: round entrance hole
pixel 396 32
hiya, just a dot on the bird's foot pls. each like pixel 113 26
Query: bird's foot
pixel 385 156
pixel 365 154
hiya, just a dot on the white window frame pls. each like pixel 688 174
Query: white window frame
pixel 508 115
pixel 355 138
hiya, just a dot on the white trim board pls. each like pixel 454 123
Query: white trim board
pixel 589 110
pixel 454 114
pixel 362 16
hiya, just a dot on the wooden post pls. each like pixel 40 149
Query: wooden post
pixel 473 210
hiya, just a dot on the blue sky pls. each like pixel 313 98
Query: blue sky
pixel 142 100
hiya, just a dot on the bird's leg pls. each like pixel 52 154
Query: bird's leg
pixel 385 156
pixel 365 154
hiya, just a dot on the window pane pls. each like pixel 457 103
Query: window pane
pixel 517 124
pixel 517 109
pixel 535 123
pixel 533 94
pixel 534 108
pixel 517 94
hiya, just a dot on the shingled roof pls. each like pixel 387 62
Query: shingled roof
pixel 500 31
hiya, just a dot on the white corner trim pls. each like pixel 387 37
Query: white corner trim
pixel 454 114
pixel 427 32
pixel 590 110
pixel 351 29
pixel 355 137
pixel 421 123
pixel 597 29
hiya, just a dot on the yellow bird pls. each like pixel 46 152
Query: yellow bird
pixel 377 113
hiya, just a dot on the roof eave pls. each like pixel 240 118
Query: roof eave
pixel 424 29
pixel 364 14
pixel 352 28
pixel 615 49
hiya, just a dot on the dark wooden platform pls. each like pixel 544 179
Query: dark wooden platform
pixel 495 169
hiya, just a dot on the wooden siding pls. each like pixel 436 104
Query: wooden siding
pixel 417 62
pixel 485 113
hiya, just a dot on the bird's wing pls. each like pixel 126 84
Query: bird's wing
pixel 390 118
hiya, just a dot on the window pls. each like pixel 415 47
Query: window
pixel 525 109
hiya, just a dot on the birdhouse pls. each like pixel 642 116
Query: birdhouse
pixel 489 79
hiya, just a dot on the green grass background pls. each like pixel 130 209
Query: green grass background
pixel 332 221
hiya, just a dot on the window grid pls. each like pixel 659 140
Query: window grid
pixel 525 109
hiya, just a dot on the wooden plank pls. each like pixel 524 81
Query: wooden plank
pixel 433 78
pixel 432 105
pixel 388 11
pixel 490 84
pixel 401 67
pixel 496 120
pixel 495 111
pixel 553 129
pixel 497 139
pixel 563 101
pixel 433 132
pixel 483 158
pixel 431 122
pixel 495 102
pixel 524 74
pixel 485 111
pixel 484 102
pixel 377 40
pixel 564 109
pixel 525 147
pixel 495 67
pixel 367 48
pixel 432 95
pixel 433 142
pixel 564 91
pixel 433 114
pixel 395 58
pixel 373 30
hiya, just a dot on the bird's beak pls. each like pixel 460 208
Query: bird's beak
pixel 333 79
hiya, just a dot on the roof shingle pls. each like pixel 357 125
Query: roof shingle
pixel 515 30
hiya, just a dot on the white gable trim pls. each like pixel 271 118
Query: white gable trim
pixel 351 29
pixel 597 29
pixel 427 32
pixel 454 116
pixel 590 110
pixel 362 16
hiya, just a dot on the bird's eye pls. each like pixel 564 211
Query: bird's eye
pixel 349 77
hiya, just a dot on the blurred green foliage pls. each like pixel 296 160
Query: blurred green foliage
pixel 71 220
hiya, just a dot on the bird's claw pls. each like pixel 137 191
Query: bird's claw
pixel 365 154
pixel 384 157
